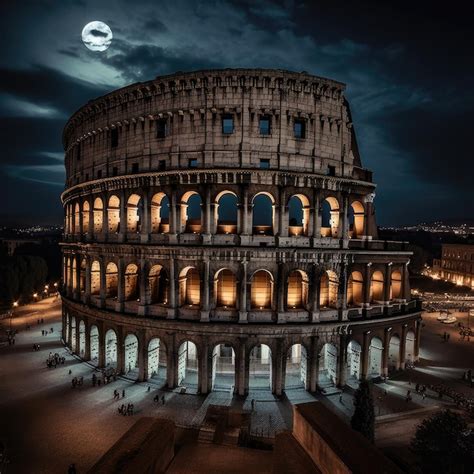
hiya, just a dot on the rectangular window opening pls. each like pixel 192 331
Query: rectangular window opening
pixel 114 138
pixel 265 125
pixel 264 163
pixel 193 163
pixel 227 124
pixel 299 128
pixel 162 128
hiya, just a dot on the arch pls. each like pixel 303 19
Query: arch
pixel 189 287
pixel 131 348
pixel 160 212
pixel 261 290
pixel 82 338
pixel 157 357
pixel 82 276
pixel 410 347
pixel 375 357
pixel 329 217
pixel 131 283
pixel 296 367
pixel 134 213
pixel 226 212
pixel 113 214
pixel 327 376
pixel 111 349
pixel 188 363
pixel 191 212
pixel 223 368
pixel 225 288
pixel 95 278
pixel 354 351
pixel 77 218
pixel 111 280
pixel 297 295
pixel 260 368
pixel 158 285
pixel 329 284
pixel 395 285
pixel 73 334
pixel 356 220
pixel 74 274
pixel 85 217
pixel 394 353
pixel 298 215
pixel 355 289
pixel 376 286
pixel 263 214
pixel 98 213
pixel 94 343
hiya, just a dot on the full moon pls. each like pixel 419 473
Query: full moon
pixel 97 36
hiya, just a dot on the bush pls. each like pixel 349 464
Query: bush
pixel 363 419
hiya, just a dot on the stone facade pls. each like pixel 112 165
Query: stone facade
pixel 456 264
pixel 229 208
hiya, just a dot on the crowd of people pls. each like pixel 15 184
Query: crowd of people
pixel 126 410
pixel 53 360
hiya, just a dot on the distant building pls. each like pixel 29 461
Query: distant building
pixel 12 244
pixel 456 264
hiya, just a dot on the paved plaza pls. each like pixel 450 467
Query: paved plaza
pixel 46 424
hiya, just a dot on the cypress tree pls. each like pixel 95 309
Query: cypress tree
pixel 363 419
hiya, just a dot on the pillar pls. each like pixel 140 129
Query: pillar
pixel 283 214
pixel 145 224
pixel 243 313
pixel 90 232
pixel 386 351
pixel 142 356
pixel 277 368
pixel 418 327
pixel 406 295
pixel 367 282
pixel 87 292
pixel 403 341
pixel 281 290
pixel 77 289
pixel 105 217
pixel 205 289
pixel 342 361
pixel 242 369
pixel 101 359
pixel 76 348
pixel 207 214
pixel 119 306
pixel 123 217
pixel 171 363
pixel 342 293
pixel 344 220
pixel 387 284
pixel 246 225
pixel 173 300
pixel 173 216
pixel 314 294
pixel 69 337
pixel 103 283
pixel 365 356
pixel 313 363
pixel 144 297
pixel 205 369
pixel 316 216
pixel 87 345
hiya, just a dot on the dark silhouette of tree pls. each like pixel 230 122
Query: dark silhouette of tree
pixel 363 418
pixel 444 445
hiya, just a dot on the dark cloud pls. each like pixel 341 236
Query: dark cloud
pixel 101 34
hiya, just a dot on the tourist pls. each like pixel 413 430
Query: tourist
pixel 156 398
pixel 163 400
pixel 417 387
pixel 148 389
pixel 123 393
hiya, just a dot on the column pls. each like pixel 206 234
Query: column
pixel 173 301
pixel 314 294
pixel 81 223
pixel 406 295
pixel 387 284
pixel 77 289
pixel 386 351
pixel 418 327
pixel 342 293
pixel 365 355
pixel 70 291
pixel 90 232
pixel 123 218
pixel 245 207
pixel 205 369
pixel 316 217
pixel 277 369
pixel 103 283
pixel 120 350
pixel 243 312
pixel 313 363
pixel 367 275
pixel 119 306
pixel 101 360
pixel 142 356
pixel 173 220
pixel 342 361
pixel 144 297
pixel 69 337
pixel 242 370
pixel 205 291
pixel 105 217
pixel 87 345
pixel 76 348
pixel 171 363
pixel 283 214
pixel 281 291
pixel 145 223
pixel 87 292
pixel 344 220
pixel 403 341
pixel 207 217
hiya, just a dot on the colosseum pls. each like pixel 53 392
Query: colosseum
pixel 220 234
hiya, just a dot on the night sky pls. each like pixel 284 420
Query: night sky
pixel 408 69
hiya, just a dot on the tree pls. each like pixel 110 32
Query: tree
pixel 363 419
pixel 444 445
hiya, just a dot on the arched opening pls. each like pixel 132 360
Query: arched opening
pixel 113 213
pixel 85 217
pixel 94 342
pixel 73 334
pixel 131 282
pixel 157 358
pixel 375 357
pixel 356 220
pixel 82 276
pixel 262 214
pixel 98 213
pixel 131 356
pixel 354 351
pixel 225 288
pixel 298 215
pixel 223 368
pixel 328 290
pixel 410 347
pixel 111 349
pixel 355 289
pixel 160 213
pixel 296 367
pixel 330 217
pixel 158 285
pixel 188 366
pixel 82 338
pixel 189 287
pixel 376 287
pixel 394 353
pixel 260 368
pixel 396 285
pixel 77 219
pixel 191 212
pixel 226 213
pixel 134 213
pixel 261 294
pixel 327 366
pixel 297 296
pixel 74 274
pixel 111 280
pixel 95 278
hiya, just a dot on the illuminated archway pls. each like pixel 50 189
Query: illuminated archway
pixel 225 288
pixel 157 357
pixel 191 212
pixel 260 368
pixel 77 219
pixel 261 294
pixel 354 351
pixel 158 285
pixel 131 355
pixel 327 366
pixel 94 344
pixel 376 287
pixel 330 217
pixel 355 289
pixel 298 215
pixel 297 296
pixel 328 290
pixel 188 363
pixel 223 368
pixel 356 220
pixel 82 276
pixel 263 214
pixel 131 292
pixel 111 280
pixel 111 349
pixel 113 215
pixel 296 367
pixel 375 357
pixel 226 213
pixel 396 285
pixel 85 216
pixel 95 278
pixel 98 213
pixel 189 287
pixel 134 213
pixel 160 211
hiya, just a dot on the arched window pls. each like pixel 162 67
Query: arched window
pixel 82 276
pixel 95 278
pixel 356 220
pixel 160 211
pixel 189 287
pixel 297 297
pixel 225 286
pixel 261 290
pixel 355 294
pixel 376 286
pixel 298 215
pixel 134 213
pixel 113 212
pixel 98 215
pixel 158 285
pixel 77 219
pixel 191 215
pixel 328 290
pixel 85 217
pixel 111 280
pixel 262 214
pixel 226 213
pixel 330 217
pixel 131 282
pixel 396 285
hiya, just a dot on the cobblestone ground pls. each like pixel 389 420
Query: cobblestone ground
pixel 46 424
